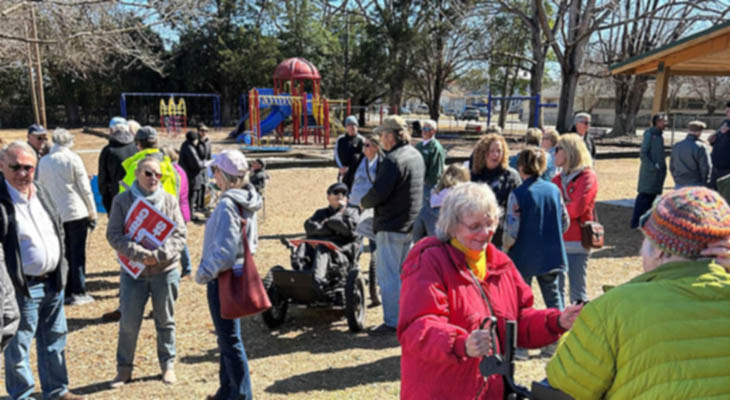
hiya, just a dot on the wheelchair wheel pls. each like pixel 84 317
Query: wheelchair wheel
pixel 373 283
pixel 274 316
pixel 355 300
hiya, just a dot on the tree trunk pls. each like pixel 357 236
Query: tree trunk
pixel 71 108
pixel 629 91
pixel 537 70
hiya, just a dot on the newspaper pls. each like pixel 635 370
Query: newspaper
pixel 147 226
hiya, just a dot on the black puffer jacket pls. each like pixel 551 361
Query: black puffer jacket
pixel 192 164
pixel 111 170
pixel 397 192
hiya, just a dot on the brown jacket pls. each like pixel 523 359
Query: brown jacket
pixel 168 254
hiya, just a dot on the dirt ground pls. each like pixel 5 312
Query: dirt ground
pixel 313 355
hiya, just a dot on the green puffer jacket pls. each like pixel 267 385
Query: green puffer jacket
pixel 653 167
pixel 663 335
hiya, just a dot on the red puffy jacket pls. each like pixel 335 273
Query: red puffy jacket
pixel 440 305
pixel 580 201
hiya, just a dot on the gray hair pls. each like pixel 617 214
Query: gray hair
pixel 465 198
pixel 17 146
pixel 154 157
pixel 119 128
pixel 62 137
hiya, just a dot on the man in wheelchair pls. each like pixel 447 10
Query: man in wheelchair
pixel 334 225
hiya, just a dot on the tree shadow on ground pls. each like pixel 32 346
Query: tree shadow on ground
pixel 282 236
pixel 98 285
pixel 317 331
pixel 383 370
pixel 75 324
pixel 103 274
pixel 620 239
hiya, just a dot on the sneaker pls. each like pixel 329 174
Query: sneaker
pixel 382 330
pixel 521 354
pixel 71 396
pixel 113 316
pixel 168 377
pixel 549 350
pixel 81 299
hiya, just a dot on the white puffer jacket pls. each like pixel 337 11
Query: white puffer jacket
pixel 62 173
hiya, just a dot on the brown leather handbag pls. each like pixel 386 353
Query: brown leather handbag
pixel 592 234
pixel 240 289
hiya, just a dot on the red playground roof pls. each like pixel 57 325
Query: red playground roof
pixel 297 69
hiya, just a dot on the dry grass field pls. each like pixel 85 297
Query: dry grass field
pixel 313 356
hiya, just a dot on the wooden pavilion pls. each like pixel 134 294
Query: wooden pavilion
pixel 705 53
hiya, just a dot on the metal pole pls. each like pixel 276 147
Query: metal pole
pixel 537 111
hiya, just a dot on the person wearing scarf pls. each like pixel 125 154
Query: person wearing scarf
pixel 159 279
pixel 453 283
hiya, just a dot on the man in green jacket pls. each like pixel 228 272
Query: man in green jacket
pixel 666 333
pixel 434 158
pixel 653 168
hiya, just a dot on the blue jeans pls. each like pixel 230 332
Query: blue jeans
pixel 185 262
pixel 425 224
pixel 577 264
pixel 42 317
pixel 391 251
pixel 234 375
pixel 552 293
pixel 133 295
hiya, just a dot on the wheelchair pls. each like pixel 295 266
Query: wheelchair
pixel 345 289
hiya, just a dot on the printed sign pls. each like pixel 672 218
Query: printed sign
pixel 146 226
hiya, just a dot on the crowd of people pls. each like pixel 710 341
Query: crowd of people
pixel 456 249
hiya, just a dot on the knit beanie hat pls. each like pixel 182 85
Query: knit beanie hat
pixel 685 221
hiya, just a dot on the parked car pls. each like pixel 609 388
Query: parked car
pixel 469 114
pixel 450 111
pixel 422 109
pixel 404 110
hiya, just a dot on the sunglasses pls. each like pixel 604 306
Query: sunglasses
pixel 150 174
pixel 342 192
pixel 18 167
pixel 558 148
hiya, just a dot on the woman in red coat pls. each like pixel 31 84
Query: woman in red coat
pixel 579 185
pixel 442 308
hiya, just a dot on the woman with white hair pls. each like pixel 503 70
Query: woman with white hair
pixel 62 172
pixel 222 250
pixel 455 288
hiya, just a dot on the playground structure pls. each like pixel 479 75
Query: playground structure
pixel 174 116
pixel 309 112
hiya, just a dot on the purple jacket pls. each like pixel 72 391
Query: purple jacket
pixel 182 192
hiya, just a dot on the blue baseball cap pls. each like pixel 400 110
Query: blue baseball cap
pixel 117 121
pixel 37 129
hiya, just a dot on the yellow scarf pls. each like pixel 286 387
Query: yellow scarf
pixel 475 259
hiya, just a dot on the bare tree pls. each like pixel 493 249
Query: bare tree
pixel 444 50
pixel 713 91
pixel 83 36
pixel 636 27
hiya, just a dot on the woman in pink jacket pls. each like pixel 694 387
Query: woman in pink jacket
pixel 451 285
pixel 182 197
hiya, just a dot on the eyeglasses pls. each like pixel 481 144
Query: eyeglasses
pixel 24 167
pixel 342 192
pixel 42 138
pixel 150 174
pixel 584 122
pixel 489 227
pixel 558 148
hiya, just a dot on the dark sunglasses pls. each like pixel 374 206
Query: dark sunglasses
pixel 342 192
pixel 150 174
pixel 18 167
pixel 558 148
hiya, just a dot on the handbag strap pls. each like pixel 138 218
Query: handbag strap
pixel 244 237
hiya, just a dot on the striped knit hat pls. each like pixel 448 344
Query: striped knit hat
pixel 685 221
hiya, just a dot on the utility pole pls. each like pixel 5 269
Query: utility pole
pixel 35 70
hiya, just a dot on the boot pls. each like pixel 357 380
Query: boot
pixel 123 376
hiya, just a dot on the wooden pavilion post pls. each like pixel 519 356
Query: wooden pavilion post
pixel 661 89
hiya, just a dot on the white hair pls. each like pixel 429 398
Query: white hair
pixel 429 123
pixel 62 137
pixel 464 199
pixel 18 146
